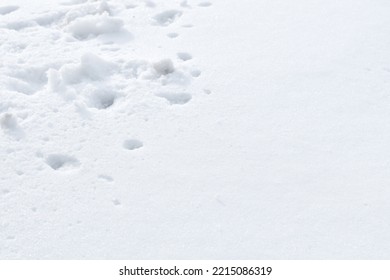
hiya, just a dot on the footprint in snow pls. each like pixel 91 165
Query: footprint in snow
pixel 132 144
pixel 9 124
pixel 62 162
pixel 166 18
pixel 184 56
pixel 196 73
pixel 173 35
pixel 101 99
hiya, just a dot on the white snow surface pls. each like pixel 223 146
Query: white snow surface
pixel 170 129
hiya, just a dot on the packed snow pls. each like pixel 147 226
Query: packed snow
pixel 192 129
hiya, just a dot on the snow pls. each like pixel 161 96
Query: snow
pixel 139 129
pixel 175 98
pixel 92 26
pixel 167 17
pixel 58 161
pixel 8 9
pixel 132 144
pixel 164 67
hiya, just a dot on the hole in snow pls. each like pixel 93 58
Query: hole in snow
pixel 167 17
pixel 102 99
pixel 60 161
pixel 132 144
pixel 172 35
pixel 184 56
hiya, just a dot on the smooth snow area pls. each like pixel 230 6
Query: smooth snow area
pixel 170 129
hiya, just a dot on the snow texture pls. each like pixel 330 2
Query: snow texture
pixel 146 129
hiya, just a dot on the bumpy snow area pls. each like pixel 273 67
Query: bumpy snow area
pixel 146 129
